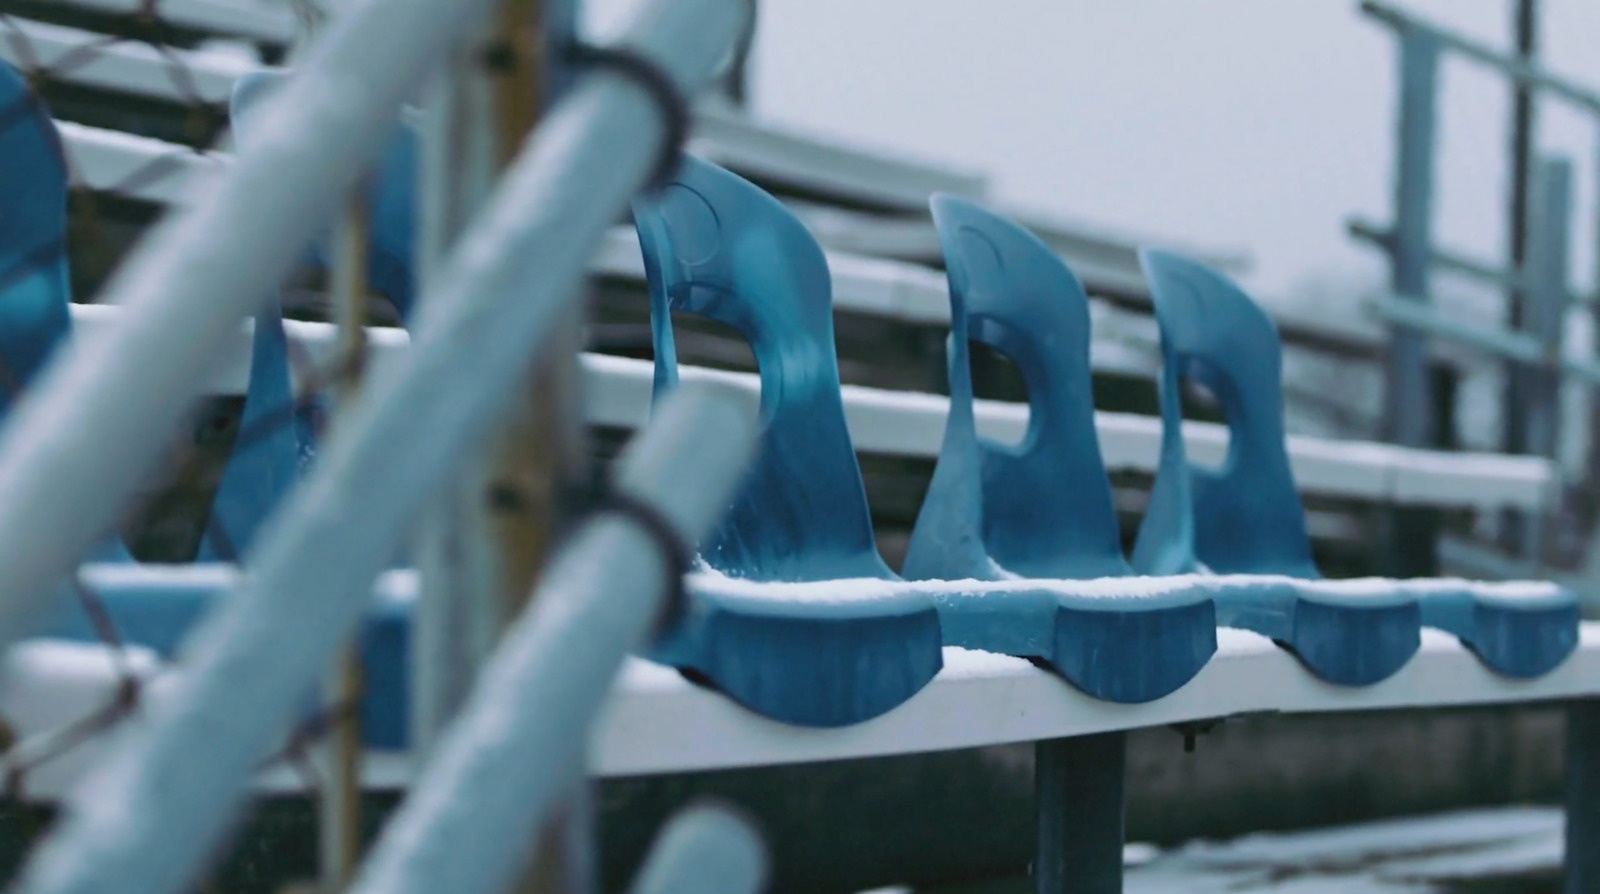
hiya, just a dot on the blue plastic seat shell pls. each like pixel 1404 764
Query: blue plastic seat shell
pixel 716 245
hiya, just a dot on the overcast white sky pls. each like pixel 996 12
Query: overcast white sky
pixel 1257 123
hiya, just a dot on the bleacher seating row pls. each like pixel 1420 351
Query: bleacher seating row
pixel 881 421
pixel 793 615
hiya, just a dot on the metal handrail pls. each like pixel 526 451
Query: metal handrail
pixel 1516 69
pixel 514 270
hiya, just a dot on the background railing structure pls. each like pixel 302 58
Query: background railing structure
pixel 1540 296
pixel 151 815
pixel 891 308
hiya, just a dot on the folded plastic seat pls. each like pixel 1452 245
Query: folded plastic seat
pixel 1035 521
pixel 1243 524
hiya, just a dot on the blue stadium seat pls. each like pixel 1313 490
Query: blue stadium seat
pixel 1245 526
pixel 832 645
pixel 1042 509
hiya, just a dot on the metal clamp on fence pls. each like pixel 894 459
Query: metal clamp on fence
pixel 669 100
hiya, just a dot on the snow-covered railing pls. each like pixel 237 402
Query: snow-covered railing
pixel 159 807
pixel 901 423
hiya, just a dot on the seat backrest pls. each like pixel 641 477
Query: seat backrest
pixel 35 289
pixel 390 195
pixel 1041 508
pixel 275 440
pixel 716 245
pixel 1245 516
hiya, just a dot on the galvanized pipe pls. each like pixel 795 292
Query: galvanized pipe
pixel 497 772
pixel 148 818
pixel 704 849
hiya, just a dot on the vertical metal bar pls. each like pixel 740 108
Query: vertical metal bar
pixel 1525 31
pixel 1409 419
pixel 1078 793
pixel 1590 509
pixel 458 166
pixel 1408 409
pixel 1519 380
pixel 1583 798
pixel 1545 318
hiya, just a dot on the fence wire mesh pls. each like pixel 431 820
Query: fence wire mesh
pixel 132 100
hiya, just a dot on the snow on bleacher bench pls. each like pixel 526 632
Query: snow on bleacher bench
pixel 911 424
pixel 658 722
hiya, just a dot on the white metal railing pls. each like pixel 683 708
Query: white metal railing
pixel 184 292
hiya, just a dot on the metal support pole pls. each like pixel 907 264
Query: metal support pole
pixel 1545 318
pixel 1516 536
pixel 1525 29
pixel 247 670
pixel 1078 793
pixel 453 632
pixel 1408 404
pixel 1583 798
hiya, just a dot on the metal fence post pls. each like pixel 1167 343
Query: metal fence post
pixel 1408 404
pixel 1519 213
pixel 1078 792
pixel 1591 479
pixel 1583 798
pixel 1536 391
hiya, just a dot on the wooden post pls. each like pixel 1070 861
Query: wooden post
pixel 491 536
pixel 339 821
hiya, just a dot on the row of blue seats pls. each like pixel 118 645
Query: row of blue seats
pixel 793 613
